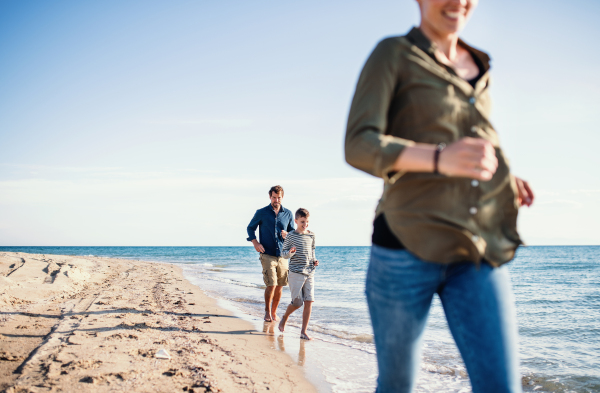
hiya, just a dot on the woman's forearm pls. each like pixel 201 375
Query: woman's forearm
pixel 417 158
pixel 474 158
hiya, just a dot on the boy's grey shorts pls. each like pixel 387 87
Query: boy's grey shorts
pixel 302 288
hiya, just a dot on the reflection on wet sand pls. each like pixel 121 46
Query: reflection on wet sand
pixel 269 329
pixel 302 353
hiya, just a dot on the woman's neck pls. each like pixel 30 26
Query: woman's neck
pixel 446 43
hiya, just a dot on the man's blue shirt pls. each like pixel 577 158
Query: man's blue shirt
pixel 270 227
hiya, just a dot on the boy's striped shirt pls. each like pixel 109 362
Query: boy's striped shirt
pixel 302 261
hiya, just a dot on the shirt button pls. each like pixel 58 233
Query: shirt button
pixel 475 238
pixel 474 183
pixel 473 210
pixel 472 100
pixel 474 129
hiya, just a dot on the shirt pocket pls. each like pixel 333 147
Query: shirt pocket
pixel 437 107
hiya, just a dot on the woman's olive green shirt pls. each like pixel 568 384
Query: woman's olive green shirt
pixel 405 95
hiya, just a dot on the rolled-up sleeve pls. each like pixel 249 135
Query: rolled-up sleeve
pixel 290 225
pixel 253 225
pixel 366 146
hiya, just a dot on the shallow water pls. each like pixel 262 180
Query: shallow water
pixel 557 290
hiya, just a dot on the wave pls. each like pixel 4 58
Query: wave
pixel 235 282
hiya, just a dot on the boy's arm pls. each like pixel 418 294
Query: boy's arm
pixel 314 257
pixel 287 246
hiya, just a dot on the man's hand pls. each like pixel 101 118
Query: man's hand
pixel 283 233
pixel 257 246
pixel 292 250
pixel 525 196
pixel 316 263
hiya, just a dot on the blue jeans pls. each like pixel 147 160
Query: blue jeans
pixel 479 308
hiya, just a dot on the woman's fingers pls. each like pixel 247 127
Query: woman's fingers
pixel 525 194
pixel 469 157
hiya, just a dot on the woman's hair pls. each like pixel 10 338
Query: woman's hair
pixel 276 190
pixel 302 213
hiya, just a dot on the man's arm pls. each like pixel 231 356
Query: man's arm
pixel 252 232
pixel 289 227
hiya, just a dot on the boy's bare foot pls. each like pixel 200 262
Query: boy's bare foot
pixel 304 336
pixel 282 325
pixel 268 317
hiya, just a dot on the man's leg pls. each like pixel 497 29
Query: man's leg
pixel 282 281
pixel 479 307
pixel 269 266
pixel 275 303
pixel 305 319
pixel 269 295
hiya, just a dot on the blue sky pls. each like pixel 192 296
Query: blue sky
pixel 165 123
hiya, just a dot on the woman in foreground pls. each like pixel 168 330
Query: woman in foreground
pixel 446 222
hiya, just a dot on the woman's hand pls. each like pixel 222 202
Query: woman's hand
pixel 469 157
pixel 292 250
pixel 525 195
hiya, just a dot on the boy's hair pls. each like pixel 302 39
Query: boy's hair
pixel 302 213
pixel 276 190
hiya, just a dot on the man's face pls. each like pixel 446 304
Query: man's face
pixel 302 223
pixel 276 200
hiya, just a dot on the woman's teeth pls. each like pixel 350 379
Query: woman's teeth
pixel 453 15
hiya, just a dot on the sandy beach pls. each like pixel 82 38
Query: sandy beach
pixel 97 324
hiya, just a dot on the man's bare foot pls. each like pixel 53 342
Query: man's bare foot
pixel 304 336
pixel 274 317
pixel 268 317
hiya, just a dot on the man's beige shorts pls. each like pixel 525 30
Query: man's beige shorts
pixel 275 270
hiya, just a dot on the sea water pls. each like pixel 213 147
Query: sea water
pixel 557 290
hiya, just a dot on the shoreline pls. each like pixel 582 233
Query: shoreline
pixel 71 323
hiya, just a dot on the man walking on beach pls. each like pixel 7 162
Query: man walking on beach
pixel 274 222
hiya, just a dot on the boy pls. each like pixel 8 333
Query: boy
pixel 299 245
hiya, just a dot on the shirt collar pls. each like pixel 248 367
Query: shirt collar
pixel 273 210
pixel 417 38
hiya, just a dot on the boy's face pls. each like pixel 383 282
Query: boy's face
pixel 302 223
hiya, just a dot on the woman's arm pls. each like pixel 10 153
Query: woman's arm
pixel 525 194
pixel 468 157
pixel 366 146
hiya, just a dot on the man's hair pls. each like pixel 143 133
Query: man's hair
pixel 276 190
pixel 302 213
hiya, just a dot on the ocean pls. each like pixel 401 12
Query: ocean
pixel 557 290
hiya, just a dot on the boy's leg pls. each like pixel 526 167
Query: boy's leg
pixel 308 294
pixel 296 281
pixel 306 319
pixel 290 309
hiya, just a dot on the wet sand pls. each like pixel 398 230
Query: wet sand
pixel 97 324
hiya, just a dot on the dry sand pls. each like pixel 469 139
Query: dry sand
pixel 95 325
